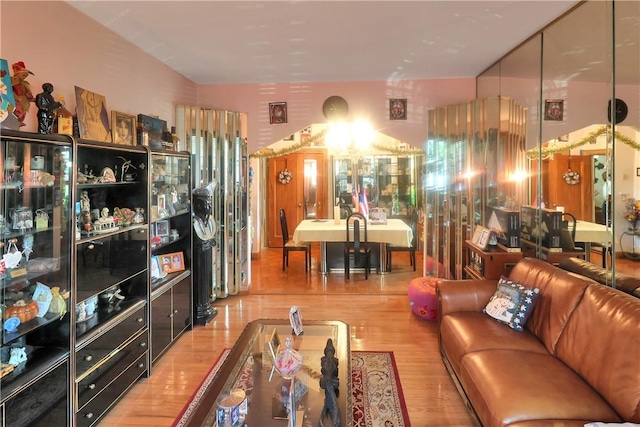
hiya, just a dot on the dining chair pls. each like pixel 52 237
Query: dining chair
pixel 411 248
pixel 356 244
pixel 570 225
pixel 289 246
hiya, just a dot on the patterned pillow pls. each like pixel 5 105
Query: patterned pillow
pixel 511 303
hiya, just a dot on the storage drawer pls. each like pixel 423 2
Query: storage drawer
pixel 96 408
pixel 102 376
pixel 105 262
pixel 101 347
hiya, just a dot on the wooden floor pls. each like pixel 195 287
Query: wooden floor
pixel 377 310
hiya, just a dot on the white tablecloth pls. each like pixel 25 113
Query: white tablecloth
pixel 592 232
pixel 394 232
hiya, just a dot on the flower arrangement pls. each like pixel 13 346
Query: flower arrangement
pixel 285 176
pixel 632 211
pixel 571 177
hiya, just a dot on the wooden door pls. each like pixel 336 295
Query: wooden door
pixel 291 196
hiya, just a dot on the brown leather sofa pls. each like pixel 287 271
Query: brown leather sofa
pixel 624 282
pixel 577 361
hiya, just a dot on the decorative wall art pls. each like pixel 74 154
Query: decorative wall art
pixel 123 128
pixel 150 131
pixel 277 112
pixel 554 110
pixel 397 109
pixel 93 118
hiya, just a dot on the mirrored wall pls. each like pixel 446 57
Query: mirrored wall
pixel 547 127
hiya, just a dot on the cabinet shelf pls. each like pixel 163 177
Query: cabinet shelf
pixel 160 285
pixel 96 236
pixel 30 326
pixel 42 360
pixel 104 318
pixel 107 184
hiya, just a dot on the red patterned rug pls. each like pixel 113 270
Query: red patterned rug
pixel 377 393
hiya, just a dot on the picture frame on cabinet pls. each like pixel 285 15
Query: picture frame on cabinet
pixel 484 238
pixel 277 112
pixel 156 271
pixel 162 228
pixel 175 263
pixel 123 130
pixel 150 131
pixel 93 118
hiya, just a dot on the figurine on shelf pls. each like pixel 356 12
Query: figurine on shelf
pixel 21 91
pixel 124 169
pixel 85 204
pixel 105 223
pixel 46 109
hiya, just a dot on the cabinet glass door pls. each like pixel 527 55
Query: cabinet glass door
pixel 35 240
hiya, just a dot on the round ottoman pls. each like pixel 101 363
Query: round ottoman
pixel 422 297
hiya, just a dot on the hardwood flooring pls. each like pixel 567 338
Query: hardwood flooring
pixel 377 310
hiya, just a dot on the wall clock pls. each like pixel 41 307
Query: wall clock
pixel 335 108
pixel 618 113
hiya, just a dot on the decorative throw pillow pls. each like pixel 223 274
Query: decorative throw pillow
pixel 511 303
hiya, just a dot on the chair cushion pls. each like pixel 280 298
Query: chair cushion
pixel 511 303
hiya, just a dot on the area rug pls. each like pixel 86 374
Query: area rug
pixel 378 400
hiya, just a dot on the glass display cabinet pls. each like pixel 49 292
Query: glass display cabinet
pixel 111 316
pixel 170 268
pixel 390 181
pixel 35 276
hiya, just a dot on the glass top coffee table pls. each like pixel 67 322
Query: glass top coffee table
pixel 249 367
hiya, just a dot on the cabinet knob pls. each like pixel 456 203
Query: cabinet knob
pixel 88 358
pixel 91 386
pixel 139 320
pixel 175 311
pixel 89 415
pixel 140 365
pixel 143 344
pixel 170 316
pixel 91 246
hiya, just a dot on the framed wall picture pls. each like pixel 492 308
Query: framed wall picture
pixel 162 228
pixel 554 110
pixel 397 109
pixel 277 112
pixel 93 118
pixel 123 128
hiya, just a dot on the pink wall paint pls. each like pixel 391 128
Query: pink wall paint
pixel 66 48
pixel 367 100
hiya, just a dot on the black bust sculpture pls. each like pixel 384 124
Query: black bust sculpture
pixel 46 109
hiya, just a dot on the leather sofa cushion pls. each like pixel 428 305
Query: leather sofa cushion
pixel 510 386
pixel 601 342
pixel 466 332
pixel 560 293
pixel 624 282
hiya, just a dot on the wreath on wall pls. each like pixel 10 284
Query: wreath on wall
pixel 571 177
pixel 285 176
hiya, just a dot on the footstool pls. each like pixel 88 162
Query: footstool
pixel 422 297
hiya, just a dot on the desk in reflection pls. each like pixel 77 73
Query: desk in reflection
pixel 395 232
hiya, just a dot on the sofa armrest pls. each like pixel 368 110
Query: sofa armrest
pixel 464 295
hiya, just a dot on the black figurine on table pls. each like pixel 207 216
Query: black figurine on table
pixel 330 383
pixel 46 109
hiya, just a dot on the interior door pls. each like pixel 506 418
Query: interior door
pixel 304 196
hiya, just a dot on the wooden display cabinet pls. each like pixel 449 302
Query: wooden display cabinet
pixel 489 264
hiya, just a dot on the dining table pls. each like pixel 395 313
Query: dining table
pixel 591 232
pixel 393 231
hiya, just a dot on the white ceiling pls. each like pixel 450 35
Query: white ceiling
pixel 227 42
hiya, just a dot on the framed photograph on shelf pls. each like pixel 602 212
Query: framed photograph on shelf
pixel 476 234
pixel 277 112
pixel 93 118
pixel 162 228
pixel 156 271
pixel 484 238
pixel 176 262
pixel 123 128
pixel 151 129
